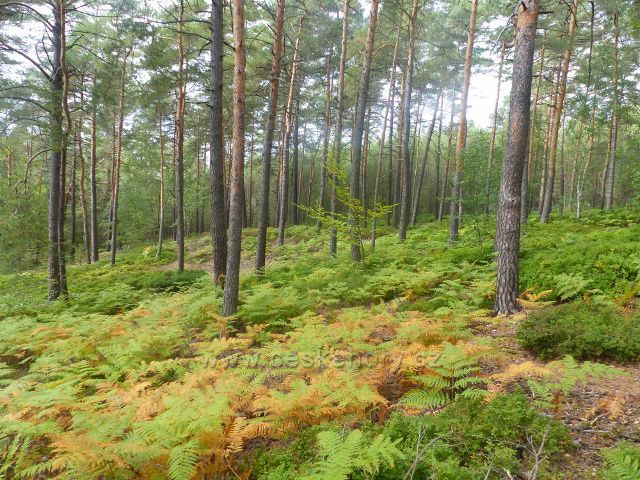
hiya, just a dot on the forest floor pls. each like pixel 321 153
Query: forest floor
pixel 586 411
pixel 137 375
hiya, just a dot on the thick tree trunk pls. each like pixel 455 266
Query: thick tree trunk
pixel 236 190
pixel 287 128
pixel 461 141
pixel 387 111
pixel 358 131
pixel 494 130
pixel 56 289
pixel 93 180
pixel 274 85
pixel 118 158
pixel 425 161
pixel 333 234
pixel 508 219
pixel 216 153
pixel 557 115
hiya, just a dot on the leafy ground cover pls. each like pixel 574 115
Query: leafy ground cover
pixel 390 369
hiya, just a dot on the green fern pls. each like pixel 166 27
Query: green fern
pixel 339 458
pixel 183 460
pixel 623 462
pixel 570 285
pixel 452 375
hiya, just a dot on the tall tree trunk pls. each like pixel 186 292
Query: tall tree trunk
pixel 250 201
pixel 358 131
pixel 93 180
pixel 274 85
pixel 447 164
pixel 56 287
pixel 399 143
pixel 161 196
pixel 526 174
pixel 333 234
pixel 562 168
pixel 326 135
pixel 295 170
pixel 494 130
pixel 118 157
pixel 288 126
pixel 425 161
pixel 180 109
pixel 547 138
pixel 508 220
pixel 83 191
pixel 557 115
pixel 236 190
pixel 387 111
pixel 216 154
pixel 364 198
pixel 461 141
pixel 613 136
pixel 73 196
pixel 66 130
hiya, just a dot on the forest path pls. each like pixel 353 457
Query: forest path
pixel 598 413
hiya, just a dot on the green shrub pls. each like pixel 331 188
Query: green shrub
pixel 462 443
pixel 582 331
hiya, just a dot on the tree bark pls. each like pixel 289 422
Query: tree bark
pixel 557 115
pixel 180 110
pixel 161 196
pixel 55 288
pixel 93 181
pixel 274 85
pixel 508 219
pixel 73 196
pixel 236 190
pixel 216 153
pixel 358 131
pixel 461 141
